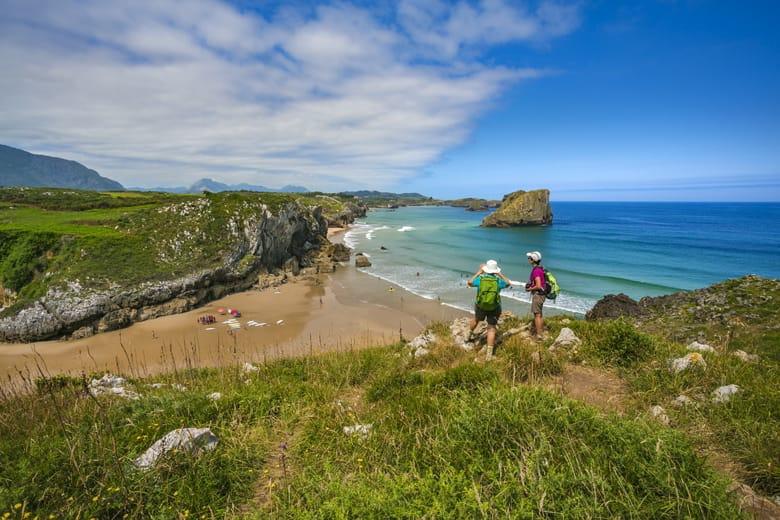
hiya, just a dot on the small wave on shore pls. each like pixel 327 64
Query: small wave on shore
pixel 403 229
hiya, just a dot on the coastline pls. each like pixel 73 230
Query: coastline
pixel 344 310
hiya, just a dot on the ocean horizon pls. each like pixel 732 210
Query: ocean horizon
pixel 594 248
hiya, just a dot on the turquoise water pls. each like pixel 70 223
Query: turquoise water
pixel 594 248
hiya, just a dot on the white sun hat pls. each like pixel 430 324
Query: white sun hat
pixel 536 256
pixel 491 267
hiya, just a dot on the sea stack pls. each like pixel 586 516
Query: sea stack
pixel 522 208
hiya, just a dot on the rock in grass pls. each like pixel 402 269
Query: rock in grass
pixel 566 339
pixel 420 345
pixel 695 346
pixel 421 352
pixel 744 356
pixel 248 368
pixel 363 430
pixel 682 400
pixel 659 414
pixel 111 385
pixel 188 440
pixel 724 393
pixel 692 360
pixel 214 396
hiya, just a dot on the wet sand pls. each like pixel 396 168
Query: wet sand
pixel 341 311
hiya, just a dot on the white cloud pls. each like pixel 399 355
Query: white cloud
pixel 162 93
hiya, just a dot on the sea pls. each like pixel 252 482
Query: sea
pixel 593 249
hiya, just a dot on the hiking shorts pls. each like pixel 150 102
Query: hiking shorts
pixel 537 301
pixel 490 316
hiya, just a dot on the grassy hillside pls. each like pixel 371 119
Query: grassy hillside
pixel 53 237
pixel 448 438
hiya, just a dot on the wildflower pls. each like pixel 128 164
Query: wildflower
pixel 18 505
pixel 26 514
pixel 96 498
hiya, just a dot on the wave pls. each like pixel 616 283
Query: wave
pixel 403 229
pixel 370 234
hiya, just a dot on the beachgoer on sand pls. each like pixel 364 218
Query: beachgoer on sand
pixel 537 286
pixel 489 281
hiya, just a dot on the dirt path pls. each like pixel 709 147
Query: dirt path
pixel 597 387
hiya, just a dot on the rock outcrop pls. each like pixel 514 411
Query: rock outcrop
pixel 265 242
pixel 522 208
pixel 614 306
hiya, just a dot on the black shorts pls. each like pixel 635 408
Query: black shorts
pixel 490 316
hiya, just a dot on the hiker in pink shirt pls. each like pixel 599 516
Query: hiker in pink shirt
pixel 536 286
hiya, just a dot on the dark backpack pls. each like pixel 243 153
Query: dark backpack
pixel 488 298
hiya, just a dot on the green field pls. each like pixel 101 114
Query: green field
pixel 449 439
pixel 49 237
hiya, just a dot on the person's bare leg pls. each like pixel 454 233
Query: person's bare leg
pixel 539 325
pixel 491 341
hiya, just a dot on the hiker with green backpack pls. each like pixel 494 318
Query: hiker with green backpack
pixel 489 281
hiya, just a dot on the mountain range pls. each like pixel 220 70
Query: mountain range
pixel 21 168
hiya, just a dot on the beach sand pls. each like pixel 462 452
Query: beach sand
pixel 340 311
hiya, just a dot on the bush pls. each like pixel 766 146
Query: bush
pixel 623 345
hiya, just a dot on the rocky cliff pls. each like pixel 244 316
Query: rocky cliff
pixel 522 208
pixel 181 255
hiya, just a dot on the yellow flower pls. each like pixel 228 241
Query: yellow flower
pixel 95 499
pixel 26 515
pixel 52 517
pixel 18 505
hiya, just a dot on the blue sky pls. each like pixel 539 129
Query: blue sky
pixel 596 100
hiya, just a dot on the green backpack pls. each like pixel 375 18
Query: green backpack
pixel 551 287
pixel 488 298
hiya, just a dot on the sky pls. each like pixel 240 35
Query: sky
pixel 593 99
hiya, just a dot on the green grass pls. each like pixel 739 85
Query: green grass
pixel 453 441
pixel 747 429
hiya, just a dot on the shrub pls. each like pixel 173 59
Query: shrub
pixel 623 345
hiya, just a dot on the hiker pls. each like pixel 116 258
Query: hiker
pixel 537 287
pixel 489 281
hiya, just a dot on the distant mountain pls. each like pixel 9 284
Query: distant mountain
pixel 372 194
pixel 20 168
pixel 216 186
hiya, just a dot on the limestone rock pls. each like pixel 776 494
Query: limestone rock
pixel 659 414
pixel 362 430
pixel 744 356
pixel 522 208
pixel 249 368
pixel 420 346
pixel 566 339
pixel 682 400
pixel 692 360
pixel 724 393
pixel 695 346
pixel 362 260
pixel 188 440
pixel 111 385
pixel 214 396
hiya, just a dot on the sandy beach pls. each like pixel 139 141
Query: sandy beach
pixel 344 310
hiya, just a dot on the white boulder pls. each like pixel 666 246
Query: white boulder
pixel 111 385
pixel 692 360
pixel 420 345
pixel 682 400
pixel 363 430
pixel 214 396
pixel 744 356
pixel 695 346
pixel 659 414
pixel 421 352
pixel 188 440
pixel 566 339
pixel 248 368
pixel 724 393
